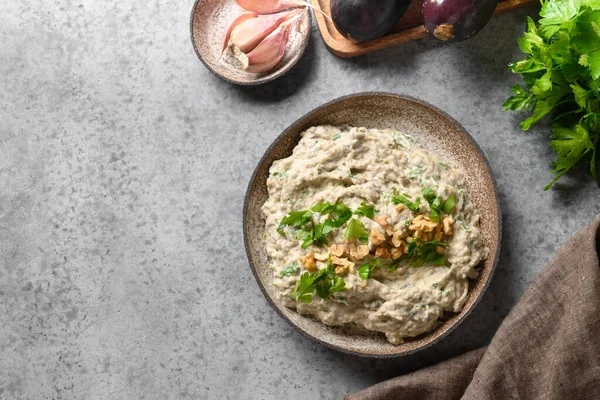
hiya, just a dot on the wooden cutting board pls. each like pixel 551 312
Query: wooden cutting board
pixel 410 27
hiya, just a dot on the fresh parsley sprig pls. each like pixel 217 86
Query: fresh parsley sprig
pixel 325 283
pixel 315 233
pixel 421 253
pixel 401 199
pixel 437 204
pixel 561 72
pixel 365 211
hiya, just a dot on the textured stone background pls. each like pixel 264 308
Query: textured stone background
pixel 123 165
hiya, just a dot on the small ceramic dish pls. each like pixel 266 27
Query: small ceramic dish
pixel 437 132
pixel 209 19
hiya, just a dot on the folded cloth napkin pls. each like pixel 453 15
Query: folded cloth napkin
pixel 548 347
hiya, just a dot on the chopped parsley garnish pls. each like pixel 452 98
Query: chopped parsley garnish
pixel 323 208
pixel 437 204
pixel 290 270
pixel 341 214
pixel 306 228
pixel 448 204
pixel 303 291
pixel 365 211
pixel 401 199
pixel 336 136
pixel 325 282
pixel 356 230
pixel 281 175
pixel 365 270
pixel 421 253
pixel 442 165
pixel 415 172
pixel 399 139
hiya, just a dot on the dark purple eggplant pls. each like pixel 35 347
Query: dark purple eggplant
pixel 456 20
pixel 364 20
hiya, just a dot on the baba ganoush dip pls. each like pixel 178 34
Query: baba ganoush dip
pixel 365 226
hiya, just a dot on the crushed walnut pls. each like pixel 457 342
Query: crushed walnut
pixel 308 261
pixel 376 237
pixel 358 252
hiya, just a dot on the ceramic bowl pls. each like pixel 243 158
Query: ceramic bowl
pixel 437 132
pixel 208 21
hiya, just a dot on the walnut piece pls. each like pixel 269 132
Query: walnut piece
pixel 396 253
pixel 421 223
pixel 358 252
pixel 337 249
pixel 382 252
pixel 321 256
pixel 376 237
pixel 309 262
pixel 397 239
pixel 448 221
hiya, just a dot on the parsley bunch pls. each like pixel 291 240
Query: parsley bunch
pixel 562 78
pixel 325 282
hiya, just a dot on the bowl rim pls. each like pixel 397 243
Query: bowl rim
pixel 493 267
pixel 254 82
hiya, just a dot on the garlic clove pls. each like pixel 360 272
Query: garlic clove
pixel 269 53
pixel 270 48
pixel 270 6
pixel 237 21
pixel 249 33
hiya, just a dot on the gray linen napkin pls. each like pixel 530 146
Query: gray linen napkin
pixel 548 347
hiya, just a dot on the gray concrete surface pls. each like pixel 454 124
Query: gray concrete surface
pixel 123 166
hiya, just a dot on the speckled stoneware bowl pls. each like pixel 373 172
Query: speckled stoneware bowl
pixel 436 131
pixel 208 21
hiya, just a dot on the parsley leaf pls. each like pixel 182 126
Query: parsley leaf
pixel 437 204
pixel 571 145
pixel 400 199
pixel 448 205
pixel 304 288
pixel 356 230
pixel 323 208
pixel 365 211
pixel 421 253
pixel 364 272
pixel 341 214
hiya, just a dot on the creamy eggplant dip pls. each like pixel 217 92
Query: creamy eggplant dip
pixel 365 226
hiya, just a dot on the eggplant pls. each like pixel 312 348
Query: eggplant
pixel 364 20
pixel 456 20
